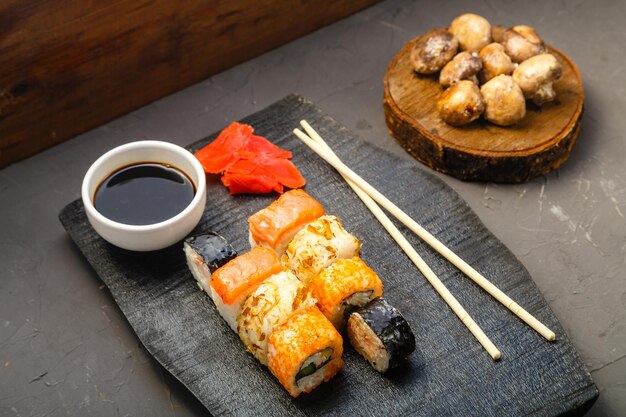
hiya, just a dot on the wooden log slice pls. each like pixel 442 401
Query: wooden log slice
pixel 482 151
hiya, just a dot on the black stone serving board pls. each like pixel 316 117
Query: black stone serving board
pixel 449 373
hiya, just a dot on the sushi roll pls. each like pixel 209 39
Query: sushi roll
pixel 205 253
pixel 276 225
pixel 304 351
pixel 380 334
pixel 343 287
pixel 232 283
pixel 318 245
pixel 270 305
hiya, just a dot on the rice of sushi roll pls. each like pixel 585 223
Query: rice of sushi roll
pixel 276 225
pixel 304 351
pixel 380 334
pixel 232 283
pixel 270 305
pixel 343 287
pixel 318 245
pixel 205 253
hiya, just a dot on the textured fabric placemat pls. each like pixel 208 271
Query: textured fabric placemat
pixel 449 373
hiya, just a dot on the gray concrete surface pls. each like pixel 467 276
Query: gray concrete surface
pixel 65 348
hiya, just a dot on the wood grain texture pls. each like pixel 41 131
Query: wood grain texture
pixel 66 67
pixel 482 151
pixel 449 374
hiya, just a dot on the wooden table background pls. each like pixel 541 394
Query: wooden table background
pixel 66 349
pixel 66 67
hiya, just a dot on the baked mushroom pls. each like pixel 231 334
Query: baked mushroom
pixel 529 33
pixel 474 79
pixel 433 50
pixel 522 42
pixel 462 67
pixel 504 101
pixel 535 77
pixel 461 104
pixel 497 33
pixel 472 31
pixel 495 62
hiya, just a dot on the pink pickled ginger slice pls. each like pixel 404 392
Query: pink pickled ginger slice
pixel 218 155
pixel 249 163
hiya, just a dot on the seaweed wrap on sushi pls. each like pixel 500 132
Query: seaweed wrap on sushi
pixel 343 287
pixel 304 351
pixel 270 305
pixel 205 253
pixel 236 280
pixel 275 225
pixel 319 245
pixel 380 334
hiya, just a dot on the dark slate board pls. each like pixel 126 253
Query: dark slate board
pixel 449 374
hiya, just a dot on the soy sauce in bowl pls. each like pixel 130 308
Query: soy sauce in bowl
pixel 144 193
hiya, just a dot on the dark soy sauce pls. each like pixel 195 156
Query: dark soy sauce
pixel 144 193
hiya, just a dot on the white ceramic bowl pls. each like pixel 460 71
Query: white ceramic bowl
pixel 152 236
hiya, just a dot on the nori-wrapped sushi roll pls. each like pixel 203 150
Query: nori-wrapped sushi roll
pixel 380 334
pixel 205 253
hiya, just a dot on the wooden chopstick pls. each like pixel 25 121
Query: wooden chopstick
pixel 431 240
pixel 452 302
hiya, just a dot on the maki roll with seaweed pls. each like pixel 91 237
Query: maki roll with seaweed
pixel 380 334
pixel 343 287
pixel 318 245
pixel 205 253
pixel 276 225
pixel 304 351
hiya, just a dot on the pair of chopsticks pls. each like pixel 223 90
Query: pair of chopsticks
pixel 370 196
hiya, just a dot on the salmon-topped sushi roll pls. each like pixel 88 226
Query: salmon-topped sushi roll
pixel 343 287
pixel 232 283
pixel 270 305
pixel 276 225
pixel 304 351
pixel 318 245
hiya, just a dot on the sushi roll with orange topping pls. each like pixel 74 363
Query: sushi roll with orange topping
pixel 276 225
pixel 270 305
pixel 304 351
pixel 318 245
pixel 343 287
pixel 205 253
pixel 232 283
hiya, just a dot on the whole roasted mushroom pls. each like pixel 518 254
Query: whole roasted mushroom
pixel 461 104
pixel 529 33
pixel 504 101
pixel 472 31
pixel 535 77
pixel 522 42
pixel 433 50
pixel 462 67
pixel 495 62
pixel 497 33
